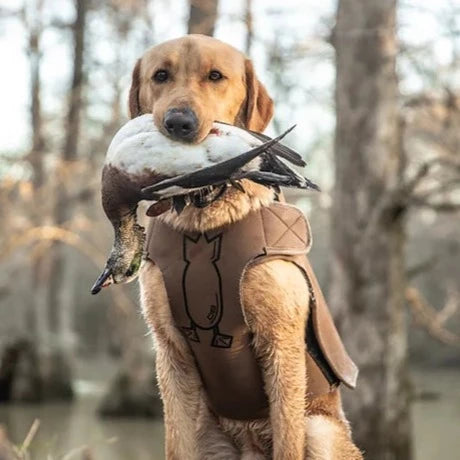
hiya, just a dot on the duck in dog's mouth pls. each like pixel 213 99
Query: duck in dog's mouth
pixel 128 179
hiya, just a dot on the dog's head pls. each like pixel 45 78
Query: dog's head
pixel 190 82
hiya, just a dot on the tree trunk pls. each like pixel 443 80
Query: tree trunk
pixel 249 22
pixel 63 272
pixel 20 372
pixel 203 17
pixel 367 285
pixel 33 22
pixel 34 54
pixel 76 91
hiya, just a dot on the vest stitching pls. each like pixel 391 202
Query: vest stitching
pixel 288 228
pixel 309 241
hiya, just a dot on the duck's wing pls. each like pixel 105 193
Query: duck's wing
pixel 270 179
pixel 211 175
pixel 282 150
pixel 272 164
pixel 278 149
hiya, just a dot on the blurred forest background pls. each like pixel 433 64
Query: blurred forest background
pixel 374 87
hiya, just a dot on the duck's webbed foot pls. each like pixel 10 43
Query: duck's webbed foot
pixel 191 333
pixel 221 340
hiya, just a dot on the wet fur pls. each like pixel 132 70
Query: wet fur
pixel 275 298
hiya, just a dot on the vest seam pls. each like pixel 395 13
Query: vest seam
pixel 245 268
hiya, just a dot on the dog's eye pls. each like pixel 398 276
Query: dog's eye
pixel 160 76
pixel 215 75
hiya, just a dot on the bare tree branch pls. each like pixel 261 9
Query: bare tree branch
pixel 6 13
pixel 430 319
pixel 248 19
pixel 69 238
pixel 444 187
pixel 422 267
pixel 397 201
pixel 439 206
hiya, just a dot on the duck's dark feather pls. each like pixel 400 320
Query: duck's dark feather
pixel 272 164
pixel 278 149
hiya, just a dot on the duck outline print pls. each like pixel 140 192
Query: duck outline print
pixel 204 307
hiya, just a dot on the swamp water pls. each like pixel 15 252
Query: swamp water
pixel 66 429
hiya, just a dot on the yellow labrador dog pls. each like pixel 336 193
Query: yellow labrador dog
pixel 187 84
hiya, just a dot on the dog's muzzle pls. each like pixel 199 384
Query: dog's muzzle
pixel 181 124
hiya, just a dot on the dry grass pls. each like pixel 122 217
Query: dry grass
pixel 9 451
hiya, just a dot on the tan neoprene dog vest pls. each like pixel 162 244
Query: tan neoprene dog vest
pixel 202 273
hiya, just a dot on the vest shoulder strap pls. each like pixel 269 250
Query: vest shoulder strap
pixel 286 230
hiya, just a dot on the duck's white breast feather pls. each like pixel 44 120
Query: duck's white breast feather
pixel 139 146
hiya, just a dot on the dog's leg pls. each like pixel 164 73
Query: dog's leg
pixel 275 298
pixel 179 382
pixel 250 455
pixel 213 443
pixel 329 439
pixel 180 401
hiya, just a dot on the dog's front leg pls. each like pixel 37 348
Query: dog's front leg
pixel 275 298
pixel 181 397
pixel 178 379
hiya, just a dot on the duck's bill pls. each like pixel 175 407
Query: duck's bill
pixel 105 279
pixel 212 175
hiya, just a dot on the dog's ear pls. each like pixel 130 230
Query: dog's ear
pixel 258 107
pixel 134 104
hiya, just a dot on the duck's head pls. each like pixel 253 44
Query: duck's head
pixel 125 257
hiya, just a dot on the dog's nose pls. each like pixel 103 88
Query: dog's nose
pixel 181 124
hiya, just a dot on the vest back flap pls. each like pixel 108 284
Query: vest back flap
pixel 288 235
pixel 328 337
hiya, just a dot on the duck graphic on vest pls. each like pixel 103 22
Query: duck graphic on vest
pixel 204 307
